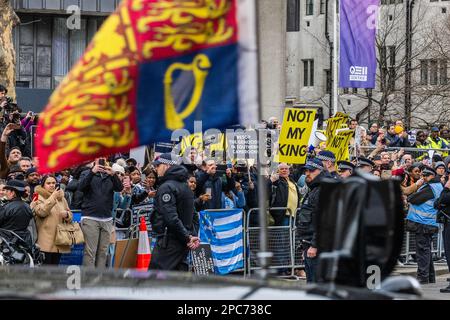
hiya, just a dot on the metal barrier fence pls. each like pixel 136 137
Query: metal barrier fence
pixel 281 242
pixel 409 247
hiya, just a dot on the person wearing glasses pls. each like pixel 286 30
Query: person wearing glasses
pixel 421 220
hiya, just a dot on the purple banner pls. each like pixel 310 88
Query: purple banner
pixel 358 63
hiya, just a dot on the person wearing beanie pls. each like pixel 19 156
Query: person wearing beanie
pixel 421 220
pixel 33 178
pixel 121 162
pixel 440 169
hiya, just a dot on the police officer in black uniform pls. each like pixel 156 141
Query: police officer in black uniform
pixel 443 206
pixel 16 214
pixel 172 219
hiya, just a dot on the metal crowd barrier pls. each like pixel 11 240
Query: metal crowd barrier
pixel 281 241
pixel 409 247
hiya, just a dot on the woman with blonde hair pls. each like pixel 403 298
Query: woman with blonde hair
pixel 50 208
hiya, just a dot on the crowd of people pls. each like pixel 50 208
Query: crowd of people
pixel 178 191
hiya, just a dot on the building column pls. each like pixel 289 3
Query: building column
pixel 272 39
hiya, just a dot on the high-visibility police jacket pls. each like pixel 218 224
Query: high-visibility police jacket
pixel 439 144
pixel 419 155
pixel 425 213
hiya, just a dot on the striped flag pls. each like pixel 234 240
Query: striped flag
pixel 223 230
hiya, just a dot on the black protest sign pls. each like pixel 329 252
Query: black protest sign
pixel 202 261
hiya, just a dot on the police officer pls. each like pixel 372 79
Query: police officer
pixel 443 205
pixel 329 163
pixel 172 219
pixel 365 164
pixel 421 220
pixel 307 215
pixel 16 214
pixel 346 169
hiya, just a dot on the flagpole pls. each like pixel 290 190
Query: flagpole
pixel 263 254
pixel 335 58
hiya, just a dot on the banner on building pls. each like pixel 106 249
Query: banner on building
pixel 358 24
pixel 340 143
pixel 295 133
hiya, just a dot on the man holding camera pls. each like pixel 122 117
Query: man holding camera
pixel 98 186
pixel 213 182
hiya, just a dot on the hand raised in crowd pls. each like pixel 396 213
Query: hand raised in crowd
pixel 65 214
pixel 29 114
pixel 107 169
pixel 420 182
pixel 229 172
pixel 58 194
pixel 274 177
pixel 251 185
pixel 312 252
pixel 8 129
pixel 152 193
pixel 205 197
pixel 447 184
pixel 194 242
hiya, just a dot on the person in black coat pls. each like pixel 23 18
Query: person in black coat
pixel 443 205
pixel 212 182
pixel 172 219
pixel 98 186
pixel 16 214
pixel 306 221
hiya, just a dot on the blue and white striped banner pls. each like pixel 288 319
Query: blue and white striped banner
pixel 223 230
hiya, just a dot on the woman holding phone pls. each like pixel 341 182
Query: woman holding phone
pixel 50 208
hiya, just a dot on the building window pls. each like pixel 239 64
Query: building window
pixel 309 7
pixel 424 72
pixel 433 72
pixel 392 72
pixel 355 90
pixel 328 81
pixel 293 15
pixel 443 78
pixel 308 73
pixel 322 6
pixel 345 90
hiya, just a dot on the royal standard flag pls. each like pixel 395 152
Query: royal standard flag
pixel 155 66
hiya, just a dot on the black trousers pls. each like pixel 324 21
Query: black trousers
pixel 425 267
pixel 52 258
pixel 446 236
pixel 169 255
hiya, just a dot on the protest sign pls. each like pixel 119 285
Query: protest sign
pixel 295 133
pixel 339 145
pixel 334 124
pixel 202 261
pixel 242 145
pixel 212 143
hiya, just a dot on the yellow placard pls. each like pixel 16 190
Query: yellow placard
pixel 196 141
pixel 339 145
pixel 334 124
pixel 295 132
